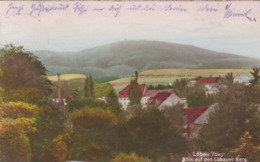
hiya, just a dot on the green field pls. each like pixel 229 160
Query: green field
pixel 166 76
pixel 67 76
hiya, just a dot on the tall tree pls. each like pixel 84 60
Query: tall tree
pixel 86 88
pixel 134 92
pixel 89 87
pixel 229 77
pixel 256 75
pixel 22 69
pixel 198 98
pixel 150 135
pixel 112 102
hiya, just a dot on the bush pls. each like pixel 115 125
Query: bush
pixel 122 157
pixel 81 103
pixel 56 151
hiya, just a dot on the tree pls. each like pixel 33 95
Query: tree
pixel 51 122
pixel 89 87
pixel 237 115
pixel 122 157
pixel 22 69
pixel 92 138
pixel 198 98
pixel 16 123
pixel 134 92
pixel 247 148
pixel 256 75
pixel 56 151
pixel 112 102
pixel 230 78
pixel 176 116
pixel 150 135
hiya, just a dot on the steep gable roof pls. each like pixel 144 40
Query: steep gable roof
pixel 243 78
pixel 159 98
pixel 154 92
pixel 124 93
pixel 192 114
pixel 208 80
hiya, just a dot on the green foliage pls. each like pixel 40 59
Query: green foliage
pixel 134 92
pixel 28 95
pixel 105 79
pixel 51 122
pixel 15 149
pixel 81 103
pixel 230 78
pixel 198 98
pixel 17 109
pixel 247 148
pixel 89 87
pixel 102 90
pixel 92 138
pixel 112 102
pixel 256 75
pixel 180 84
pixel 92 118
pixel 176 116
pixel 56 151
pixel 22 69
pixel 16 122
pixel 133 157
pixel 238 114
pixel 150 135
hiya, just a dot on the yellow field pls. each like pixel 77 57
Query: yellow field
pixel 68 76
pixel 166 76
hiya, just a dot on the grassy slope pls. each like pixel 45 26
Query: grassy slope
pixel 68 76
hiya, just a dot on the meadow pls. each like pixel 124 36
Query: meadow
pixel 167 76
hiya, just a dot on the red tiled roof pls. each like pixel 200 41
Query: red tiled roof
pixel 153 92
pixel 125 92
pixel 208 80
pixel 192 114
pixel 159 98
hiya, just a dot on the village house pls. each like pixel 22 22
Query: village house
pixel 215 89
pixel 191 83
pixel 123 95
pixel 195 118
pixel 163 99
pixel 209 82
pixel 158 98
pixel 150 93
pixel 242 79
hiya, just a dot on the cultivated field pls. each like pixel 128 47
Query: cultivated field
pixel 68 76
pixel 166 76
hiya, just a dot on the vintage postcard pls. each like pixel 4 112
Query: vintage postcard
pixel 130 81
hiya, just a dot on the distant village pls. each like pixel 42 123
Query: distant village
pixel 195 117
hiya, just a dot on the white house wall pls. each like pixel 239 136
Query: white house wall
pixel 172 100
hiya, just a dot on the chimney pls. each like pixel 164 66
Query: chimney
pixel 58 89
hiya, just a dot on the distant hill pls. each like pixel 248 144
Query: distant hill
pixel 125 57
